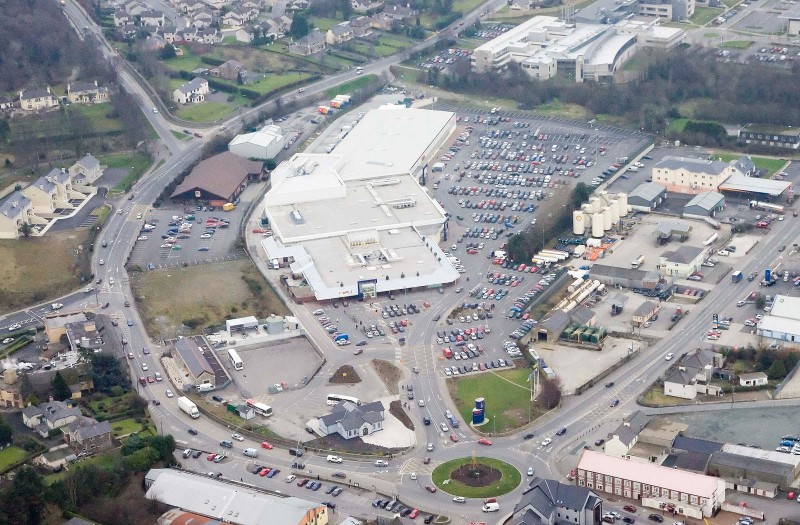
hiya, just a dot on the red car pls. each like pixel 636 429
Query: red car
pixel 414 514
pixel 629 508
pixel 150 379
pixel 266 445
pixel 453 438
pixel 302 482
pixel 484 441
pixel 211 457
pixel 264 472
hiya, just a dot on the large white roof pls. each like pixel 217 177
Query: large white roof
pixel 262 138
pixel 786 306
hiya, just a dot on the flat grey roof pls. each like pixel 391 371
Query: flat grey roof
pixel 708 200
pixel 740 183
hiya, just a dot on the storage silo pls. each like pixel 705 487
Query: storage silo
pixel 597 225
pixel 596 204
pixel 578 223
pixel 606 219
pixel 274 324
pixel 613 209
pixel 622 202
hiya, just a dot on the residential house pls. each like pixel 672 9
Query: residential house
pixel 202 18
pixel 746 166
pixel 230 70
pixel 171 34
pixel 218 4
pixel 314 42
pixel 298 5
pixel 121 17
pixel 88 435
pixel 753 379
pixel 191 92
pixel 250 4
pixel 10 396
pixel 349 420
pixel 400 12
pixel 49 416
pixel 208 35
pixel 366 6
pixel 36 99
pixel 154 43
pixel 6 104
pixel 190 6
pixel 339 33
pixel 87 170
pixel 548 502
pixel 136 8
pixel 52 192
pixel 152 18
pixel 240 34
pixel 361 26
pixel 15 211
pixel 129 30
pixel 382 22
pixel 626 435
pixel 276 27
pixel 86 93
pixel 692 375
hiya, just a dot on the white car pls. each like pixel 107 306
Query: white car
pixel 413 475
pixel 169 393
pixel 155 111
pixel 141 238
pixel 530 471
pixel 15 326
pixel 669 356
pixel 110 280
pixel 290 478
pixel 101 262
pixel 460 499
pixel 145 367
pixel 205 236
pixel 546 442
pixel 8 340
pixel 237 437
pixel 421 402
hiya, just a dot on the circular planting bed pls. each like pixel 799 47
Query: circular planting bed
pixel 476 477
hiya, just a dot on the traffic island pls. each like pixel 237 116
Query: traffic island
pixel 476 477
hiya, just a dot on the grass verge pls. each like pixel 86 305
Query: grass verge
pixel 507 394
pixel 511 478
pixel 137 163
pixel 171 301
pixel 769 164
pixel 350 86
pixel 704 15
pixel 737 44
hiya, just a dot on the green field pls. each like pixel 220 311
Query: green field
pixel 511 478
pixel 137 163
pixel 704 15
pixel 763 163
pixel 96 113
pixel 350 86
pixel 737 44
pixel 58 123
pixel 507 394
pixel 323 24
pixel 274 81
pixel 124 427
pixel 677 125
pixel 205 111
pixel 10 457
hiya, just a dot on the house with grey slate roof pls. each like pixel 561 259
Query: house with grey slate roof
pixel 626 435
pixel 86 434
pixel 15 211
pixel 190 356
pixel 36 99
pixel 191 92
pixel 349 420
pixel 49 416
pixel 548 502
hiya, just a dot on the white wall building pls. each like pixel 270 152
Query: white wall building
pixel 783 321
pixel 357 222
pixel 263 144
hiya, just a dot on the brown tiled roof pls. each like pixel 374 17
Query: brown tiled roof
pixel 220 175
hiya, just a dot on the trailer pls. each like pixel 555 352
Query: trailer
pixel 188 406
pixel 766 206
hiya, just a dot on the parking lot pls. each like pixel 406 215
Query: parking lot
pixel 184 234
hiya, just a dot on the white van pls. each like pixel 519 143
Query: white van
pixel 334 459
pixel 491 507
pixel 250 452
pixel 381 463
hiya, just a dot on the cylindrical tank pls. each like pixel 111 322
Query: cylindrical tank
pixel 606 219
pixel 613 209
pixel 478 416
pixel 622 202
pixel 578 223
pixel 480 403
pixel 597 225
pixel 597 204
pixel 274 324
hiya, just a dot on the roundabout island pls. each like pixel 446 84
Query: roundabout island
pixel 476 477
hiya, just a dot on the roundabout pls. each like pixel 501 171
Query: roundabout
pixel 476 477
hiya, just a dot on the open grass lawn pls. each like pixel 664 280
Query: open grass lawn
pixel 507 394
pixel 187 62
pixel 737 44
pixel 677 125
pixel 273 81
pixel 205 111
pixel 350 86
pixel 60 123
pixel 106 407
pixel 124 427
pixel 37 268
pixel 323 24
pixel 510 479
pixel 138 161
pixel 204 295
pixel 731 3
pixel 763 163
pixel 10 456
pixel 654 396
pixel 558 108
pixel 96 113
pixel 704 15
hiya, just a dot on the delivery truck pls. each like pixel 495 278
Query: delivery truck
pixel 188 406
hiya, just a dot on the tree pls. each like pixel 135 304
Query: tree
pixel 517 248
pixel 60 388
pixel 346 8
pixel 580 194
pixel 5 130
pixel 777 370
pixel 167 52
pixel 5 431
pixel 22 501
pixel 550 394
pixel 107 374
pixel 299 27
pixel 761 301
pixel 26 229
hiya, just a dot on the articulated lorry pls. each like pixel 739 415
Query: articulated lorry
pixel 188 406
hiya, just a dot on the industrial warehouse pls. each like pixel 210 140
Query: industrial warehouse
pixel 356 222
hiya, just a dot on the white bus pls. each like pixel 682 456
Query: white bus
pixel 333 399
pixel 260 408
pixel 236 361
